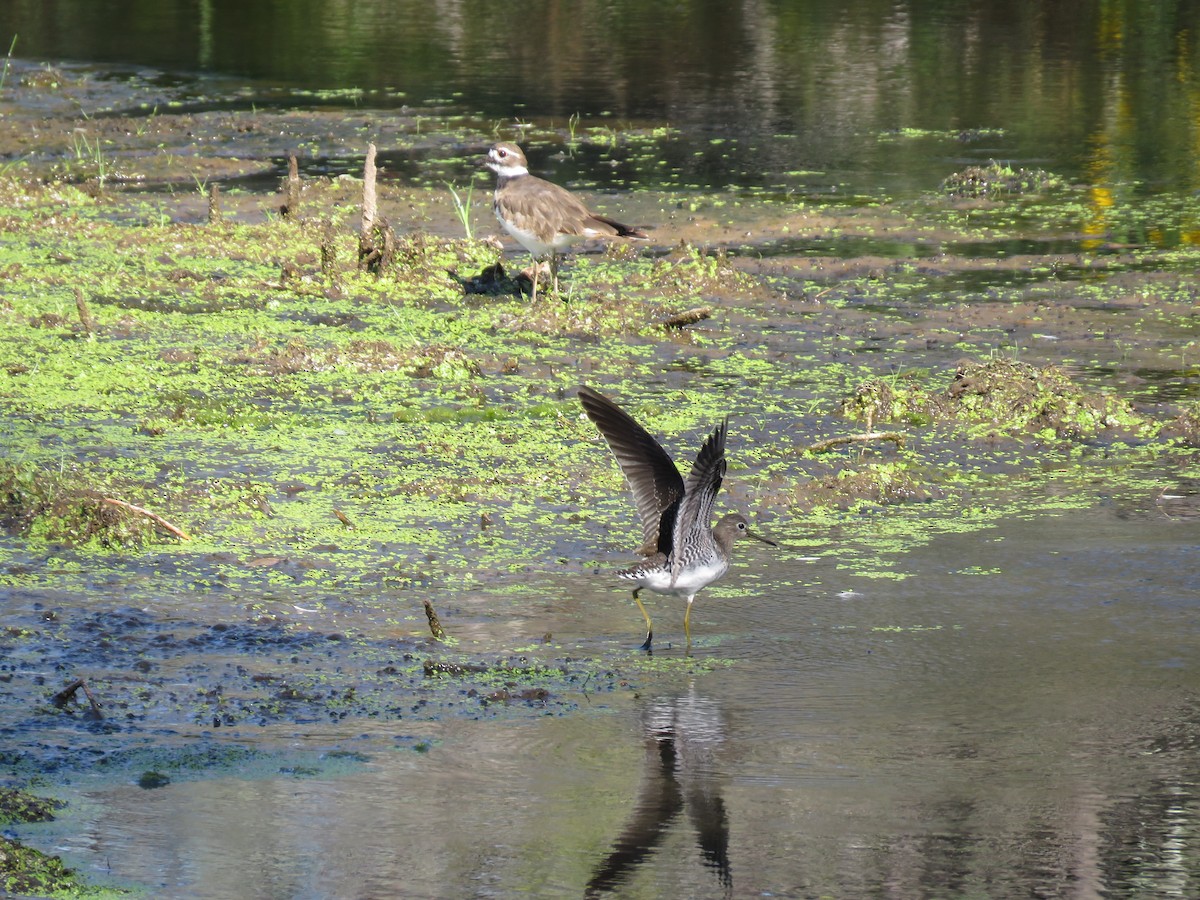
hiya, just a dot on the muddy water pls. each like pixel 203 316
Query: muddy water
pixel 1015 717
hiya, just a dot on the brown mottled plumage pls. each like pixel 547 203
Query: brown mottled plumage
pixel 546 219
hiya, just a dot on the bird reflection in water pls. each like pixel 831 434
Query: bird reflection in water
pixel 682 736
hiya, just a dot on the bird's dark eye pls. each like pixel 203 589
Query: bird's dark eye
pixel 742 526
pixel 502 153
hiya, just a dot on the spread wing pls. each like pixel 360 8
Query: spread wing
pixel 693 519
pixel 656 484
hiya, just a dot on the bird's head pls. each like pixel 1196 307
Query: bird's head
pixel 506 159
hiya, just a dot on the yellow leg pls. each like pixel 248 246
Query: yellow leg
pixel 646 616
pixel 686 619
pixel 554 274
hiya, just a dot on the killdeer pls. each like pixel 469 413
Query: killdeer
pixel 544 218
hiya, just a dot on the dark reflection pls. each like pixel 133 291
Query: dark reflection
pixel 682 736
pixel 1080 839
pixel 1148 843
pixel 1098 92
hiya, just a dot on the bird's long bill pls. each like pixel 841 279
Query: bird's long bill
pixel 759 537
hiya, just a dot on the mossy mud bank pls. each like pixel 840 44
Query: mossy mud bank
pixel 236 465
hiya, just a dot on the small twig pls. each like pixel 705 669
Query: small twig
pixel 821 446
pixel 435 626
pixel 154 517
pixel 63 697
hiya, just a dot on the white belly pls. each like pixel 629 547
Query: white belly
pixel 540 248
pixel 690 580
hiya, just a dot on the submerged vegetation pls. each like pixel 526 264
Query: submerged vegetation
pixel 997 179
pixel 238 378
pixel 1003 395
pixel 24 870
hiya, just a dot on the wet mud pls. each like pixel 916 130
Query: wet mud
pixel 188 679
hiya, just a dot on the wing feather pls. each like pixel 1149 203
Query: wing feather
pixel 548 210
pixel 693 519
pixel 653 479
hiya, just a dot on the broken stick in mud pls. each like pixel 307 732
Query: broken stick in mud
pixel 376 240
pixel 63 697
pixel 153 517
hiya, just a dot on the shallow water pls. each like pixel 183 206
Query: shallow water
pixel 1015 717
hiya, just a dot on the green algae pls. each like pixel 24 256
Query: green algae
pixel 1003 395
pixel 21 806
pixel 322 432
pixel 26 871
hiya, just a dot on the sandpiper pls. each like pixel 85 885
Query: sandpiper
pixel 544 218
pixel 684 552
